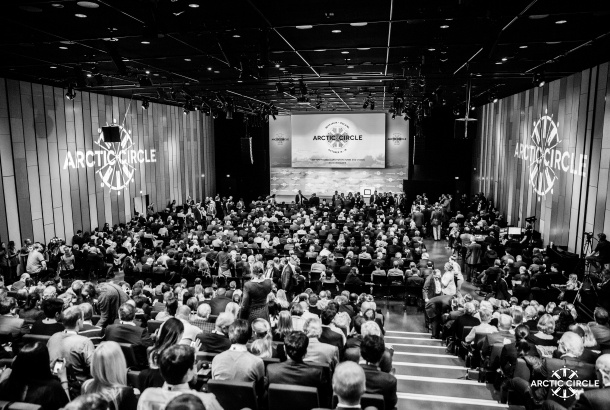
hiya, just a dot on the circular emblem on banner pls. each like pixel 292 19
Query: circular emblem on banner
pixel 337 141
pixel 279 139
pixel 561 380
pixel 544 139
pixel 116 172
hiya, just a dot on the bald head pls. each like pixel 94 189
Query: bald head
pixel 183 312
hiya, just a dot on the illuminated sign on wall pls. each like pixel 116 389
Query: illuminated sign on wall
pixel 546 160
pixel 115 161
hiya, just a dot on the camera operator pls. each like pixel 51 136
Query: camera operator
pixel 601 254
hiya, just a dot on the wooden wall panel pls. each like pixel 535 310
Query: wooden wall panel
pixel 578 104
pixel 41 131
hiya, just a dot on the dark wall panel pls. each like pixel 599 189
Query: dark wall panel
pixel 576 202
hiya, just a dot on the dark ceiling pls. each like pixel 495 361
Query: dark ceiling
pixel 240 49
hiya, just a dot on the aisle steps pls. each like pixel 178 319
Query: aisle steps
pixel 430 378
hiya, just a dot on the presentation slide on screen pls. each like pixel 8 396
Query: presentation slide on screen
pixel 338 140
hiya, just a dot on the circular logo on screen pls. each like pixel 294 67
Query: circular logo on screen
pixel 561 383
pixel 544 139
pixel 338 138
pixel 117 171
pixel 279 139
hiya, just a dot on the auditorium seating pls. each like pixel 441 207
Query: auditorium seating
pixel 299 397
pixel 233 395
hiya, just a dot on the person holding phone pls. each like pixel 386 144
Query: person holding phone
pixel 32 380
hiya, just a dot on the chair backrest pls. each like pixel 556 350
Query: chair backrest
pixel 367 400
pixel 466 332
pixel 521 370
pixel 299 397
pixel 153 325
pixel 205 357
pixel 18 406
pixel 130 354
pixel 494 357
pixel 132 379
pixel 233 395
pixel 35 338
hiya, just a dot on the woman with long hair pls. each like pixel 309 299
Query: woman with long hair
pixel 262 345
pixel 284 326
pixel 109 371
pixel 254 301
pixel 30 380
pixel 170 333
pixel 282 300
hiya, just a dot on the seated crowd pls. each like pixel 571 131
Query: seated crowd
pixel 522 325
pixel 267 294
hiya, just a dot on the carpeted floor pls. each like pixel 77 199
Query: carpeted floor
pixel 428 377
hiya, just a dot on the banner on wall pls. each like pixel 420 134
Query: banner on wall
pixel 338 140
pixel 114 161
pixel 546 160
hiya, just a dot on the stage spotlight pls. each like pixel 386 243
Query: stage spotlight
pixel 539 79
pixel 302 87
pixel 145 104
pixel 71 93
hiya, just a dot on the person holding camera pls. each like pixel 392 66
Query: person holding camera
pixel 601 254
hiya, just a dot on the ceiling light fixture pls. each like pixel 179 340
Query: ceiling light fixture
pixel 147 72
pixel 522 46
pixel 145 42
pixel 432 49
pixel 445 26
pixel 57 5
pixel 87 4
pixel 89 75
pixel 336 31
pixel 345 52
pixel 561 21
pixel 498 62
pixel 320 49
pixel 277 65
pixel 80 15
pixel 53 66
pixel 187 59
pixel 539 80
pixel 504 58
pixel 236 36
pixel 209 68
pixel 360 24
pixel 194 5
pixel 63 47
pixel 305 27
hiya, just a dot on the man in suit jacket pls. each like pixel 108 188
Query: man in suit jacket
pixel 377 382
pixel 467 319
pixel 329 335
pixel 473 258
pixel 349 384
pixel 600 328
pixel 10 323
pixel 317 351
pixel 504 335
pixel 220 302
pixel 218 340
pixel 128 332
pixel 294 371
pixel 299 199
